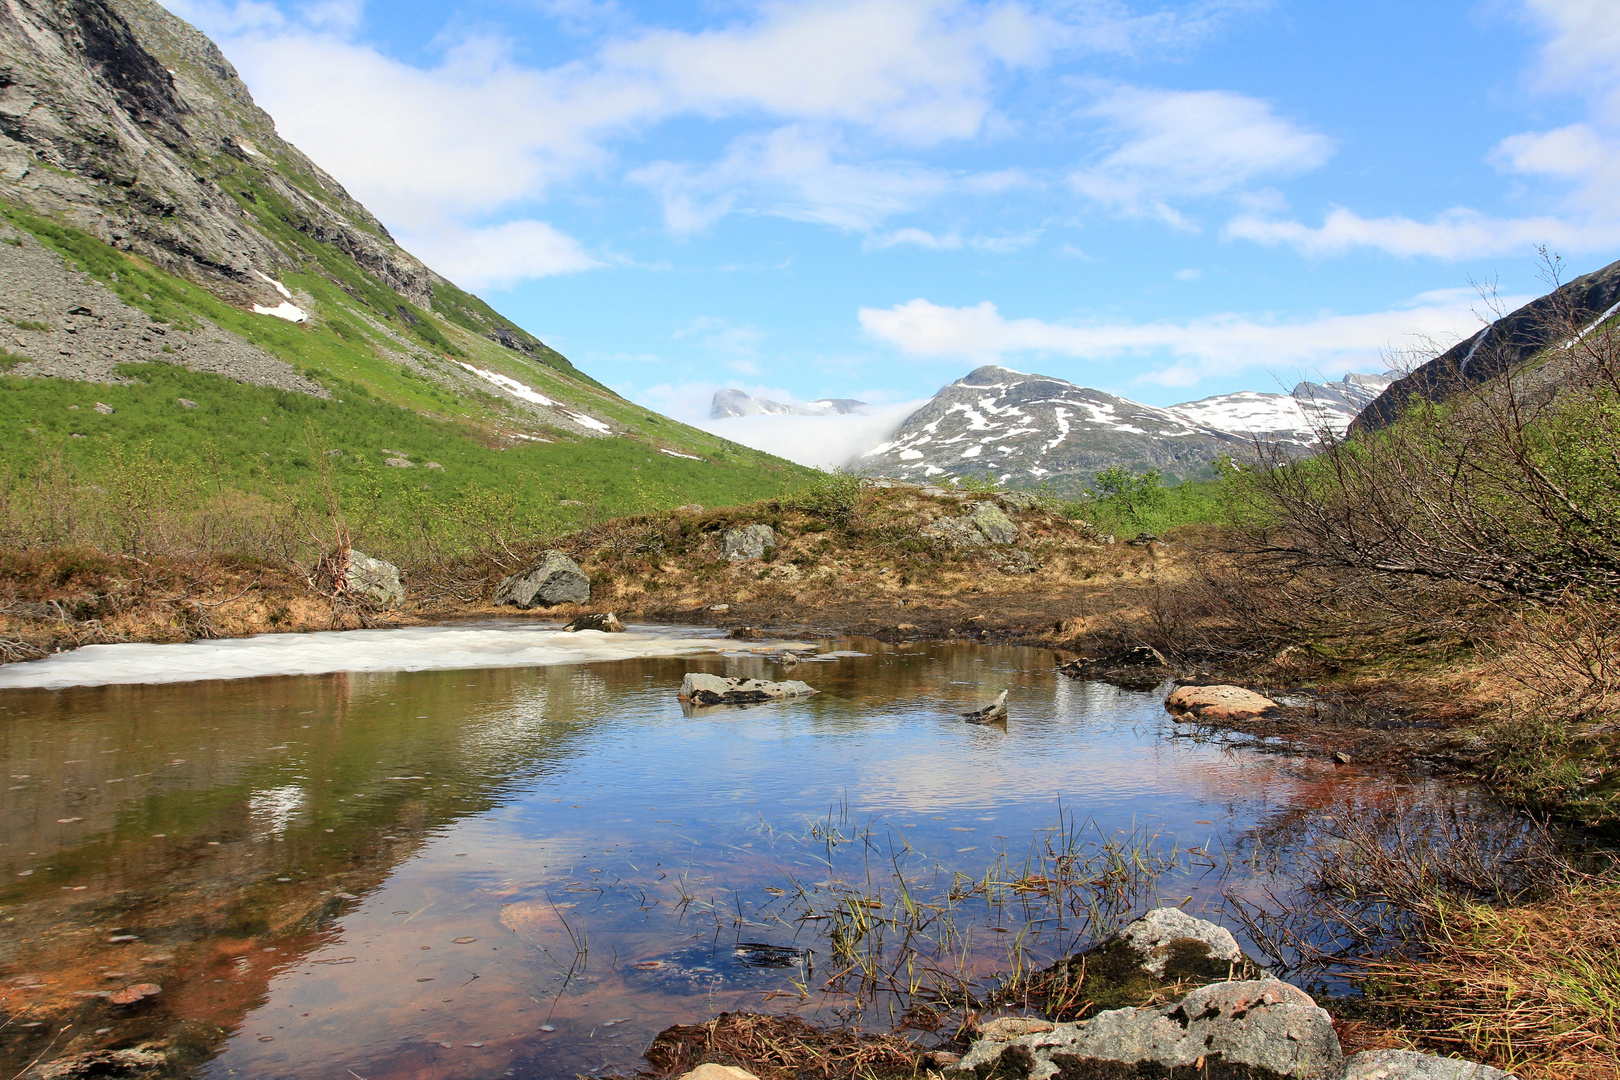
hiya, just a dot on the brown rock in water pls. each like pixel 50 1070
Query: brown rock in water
pixel 1216 703
pixel 700 688
pixel 608 624
pixel 129 995
pixel 992 713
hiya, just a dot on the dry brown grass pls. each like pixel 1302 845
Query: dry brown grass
pixel 1533 988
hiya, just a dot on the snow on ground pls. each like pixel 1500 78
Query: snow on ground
pixel 428 648
pixel 273 283
pixel 510 385
pixel 284 310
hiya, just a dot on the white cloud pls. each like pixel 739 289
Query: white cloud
pixel 499 256
pixel 821 442
pixel 1174 145
pixel 792 172
pixel 1581 54
pixel 1214 344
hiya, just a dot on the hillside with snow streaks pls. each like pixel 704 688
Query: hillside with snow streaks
pixel 1027 430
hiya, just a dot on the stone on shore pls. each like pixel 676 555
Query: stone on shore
pixel 374 579
pixel 750 543
pixel 608 624
pixel 718 1072
pixel 1215 703
pixel 1161 932
pixel 554 579
pixel 1261 1028
pixel 1410 1065
pixel 994 523
pixel 703 689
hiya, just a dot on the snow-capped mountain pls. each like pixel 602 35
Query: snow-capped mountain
pixel 1293 418
pixel 733 403
pixel 1024 430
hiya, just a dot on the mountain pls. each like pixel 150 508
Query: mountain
pixel 1573 309
pixel 733 403
pixel 1294 418
pixel 1028 430
pixel 151 215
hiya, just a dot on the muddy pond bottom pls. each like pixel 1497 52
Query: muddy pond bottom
pixel 530 871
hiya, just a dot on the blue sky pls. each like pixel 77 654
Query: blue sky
pixel 867 198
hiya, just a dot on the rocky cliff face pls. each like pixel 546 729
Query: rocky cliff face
pixel 1573 309
pixel 1027 430
pixel 121 120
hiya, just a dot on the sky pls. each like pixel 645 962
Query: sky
pixel 868 198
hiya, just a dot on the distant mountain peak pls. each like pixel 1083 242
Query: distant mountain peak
pixel 729 404
pixel 1025 430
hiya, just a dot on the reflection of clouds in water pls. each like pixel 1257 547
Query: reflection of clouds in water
pixel 271 811
pixel 516 719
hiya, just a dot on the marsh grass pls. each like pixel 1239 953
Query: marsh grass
pixel 925 946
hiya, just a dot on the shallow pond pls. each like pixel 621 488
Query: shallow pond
pixel 530 871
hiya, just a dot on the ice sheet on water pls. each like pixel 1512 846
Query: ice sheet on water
pixel 426 648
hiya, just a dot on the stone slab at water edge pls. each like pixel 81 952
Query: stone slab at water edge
pixel 376 580
pixel 703 689
pixel 553 579
pixel 1218 703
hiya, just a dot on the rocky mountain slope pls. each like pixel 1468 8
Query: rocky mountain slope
pixel 150 213
pixel 1028 430
pixel 1575 308
pixel 729 404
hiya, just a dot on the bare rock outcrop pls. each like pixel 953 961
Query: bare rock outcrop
pixel 1217 703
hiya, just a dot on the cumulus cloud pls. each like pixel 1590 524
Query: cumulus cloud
pixel 1172 145
pixel 1191 350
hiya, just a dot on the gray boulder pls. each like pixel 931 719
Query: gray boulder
pixel 1260 1028
pixel 1016 501
pixel 554 579
pixel 704 689
pixel 1155 935
pixel 374 579
pixel 749 543
pixel 1410 1065
pixel 994 523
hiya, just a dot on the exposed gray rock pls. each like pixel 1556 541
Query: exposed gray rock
pixel 1007 1028
pixel 956 532
pixel 749 543
pixel 700 688
pixel 993 713
pixel 1018 501
pixel 608 624
pixel 554 579
pixel 1410 1065
pixel 996 526
pixel 374 579
pixel 1266 1027
pixel 1153 934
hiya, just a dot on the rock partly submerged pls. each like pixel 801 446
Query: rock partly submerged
pixel 700 688
pixel 553 579
pixel 993 713
pixel 1217 703
pixel 607 624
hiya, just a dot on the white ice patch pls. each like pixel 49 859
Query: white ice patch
pixel 428 648
pixel 273 283
pixel 910 455
pixel 972 451
pixel 688 457
pixel 510 385
pixel 285 310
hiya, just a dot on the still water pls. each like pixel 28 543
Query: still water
pixel 530 871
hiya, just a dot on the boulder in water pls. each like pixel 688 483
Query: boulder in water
pixel 1217 703
pixel 700 688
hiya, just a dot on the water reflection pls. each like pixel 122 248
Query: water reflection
pixel 469 873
